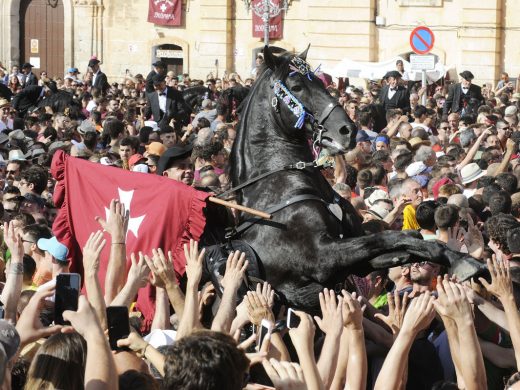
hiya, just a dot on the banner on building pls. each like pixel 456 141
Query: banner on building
pixel 165 12
pixel 275 18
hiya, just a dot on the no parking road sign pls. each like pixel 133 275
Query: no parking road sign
pixel 422 40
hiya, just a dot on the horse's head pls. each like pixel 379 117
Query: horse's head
pixel 302 103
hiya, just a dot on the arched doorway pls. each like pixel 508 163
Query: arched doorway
pixel 172 55
pixel 42 35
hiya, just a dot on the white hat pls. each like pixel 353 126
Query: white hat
pixel 16 155
pixel 159 337
pixel 415 168
pixel 378 211
pixel 143 168
pixel 471 172
pixel 376 196
pixel 153 125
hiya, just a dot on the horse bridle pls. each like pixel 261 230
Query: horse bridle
pixel 281 92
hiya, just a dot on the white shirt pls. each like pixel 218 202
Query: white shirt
pixel 9 125
pixel 391 92
pixel 465 89
pixel 95 76
pixel 162 99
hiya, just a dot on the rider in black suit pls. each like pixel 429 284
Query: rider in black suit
pixel 393 95
pixel 158 68
pixel 28 76
pixel 174 106
pixel 99 79
pixel 461 93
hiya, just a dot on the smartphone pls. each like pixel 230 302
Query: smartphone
pixel 293 321
pixel 2 313
pixel 67 295
pixel 118 325
pixel 266 327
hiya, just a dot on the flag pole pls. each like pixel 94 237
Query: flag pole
pixel 245 209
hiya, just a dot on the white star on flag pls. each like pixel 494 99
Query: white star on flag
pixel 163 7
pixel 125 197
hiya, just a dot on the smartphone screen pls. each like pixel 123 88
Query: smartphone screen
pixel 118 325
pixel 292 319
pixel 67 295
pixel 266 328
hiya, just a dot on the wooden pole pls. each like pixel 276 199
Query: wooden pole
pixel 245 209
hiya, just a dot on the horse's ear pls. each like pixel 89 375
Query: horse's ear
pixel 303 55
pixel 270 58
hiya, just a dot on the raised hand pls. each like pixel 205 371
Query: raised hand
pixel 473 239
pixel 193 262
pixel 13 240
pixel 92 252
pixel 83 319
pixel 163 274
pixel 352 311
pixel 303 336
pixel 139 270
pixel 117 223
pixel 236 266
pixel 134 342
pixel 285 375
pixel 420 313
pixel 267 292
pixel 29 326
pixel 455 237
pixel 331 312
pixel 396 311
pixel 501 285
pixel 257 308
pixel 452 301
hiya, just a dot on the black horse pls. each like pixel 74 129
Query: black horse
pixel 306 247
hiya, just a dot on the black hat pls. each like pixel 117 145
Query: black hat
pixel 158 79
pixel 159 64
pixel 393 73
pixel 171 154
pixel 93 61
pixel 467 75
pixel 27 65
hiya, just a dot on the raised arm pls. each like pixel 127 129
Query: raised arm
pixel 331 323
pixel 236 266
pixel 190 318
pixel 502 287
pixel 91 253
pixel 100 369
pixel 164 277
pixel 137 278
pixel 116 226
pixel 13 285
pixel 419 315
pixel 453 304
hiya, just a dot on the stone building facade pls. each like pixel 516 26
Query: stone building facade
pixel 216 35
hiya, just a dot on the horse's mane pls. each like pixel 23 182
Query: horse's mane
pixel 239 148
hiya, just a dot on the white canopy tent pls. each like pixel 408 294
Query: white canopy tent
pixel 377 70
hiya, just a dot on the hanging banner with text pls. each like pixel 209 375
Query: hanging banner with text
pixel 165 12
pixel 275 18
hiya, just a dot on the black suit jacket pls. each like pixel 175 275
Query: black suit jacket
pixel 26 98
pixel 401 98
pixel 454 101
pixel 101 82
pixel 149 82
pixel 176 108
pixel 31 79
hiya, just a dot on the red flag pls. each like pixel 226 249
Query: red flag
pixel 275 19
pixel 165 12
pixel 163 213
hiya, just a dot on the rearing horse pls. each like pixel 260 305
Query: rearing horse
pixel 306 247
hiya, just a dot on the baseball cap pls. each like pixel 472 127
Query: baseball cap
pixel 362 136
pixel 9 344
pixel 72 70
pixel 511 111
pixel 54 247
pixel 134 159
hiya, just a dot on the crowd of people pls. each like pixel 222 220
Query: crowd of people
pixel 448 169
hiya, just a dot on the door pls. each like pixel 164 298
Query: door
pixel 42 36
pixel 171 55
